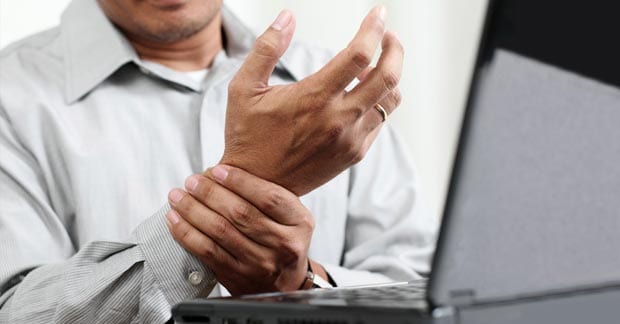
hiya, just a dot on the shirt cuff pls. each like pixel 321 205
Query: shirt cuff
pixel 346 277
pixel 180 275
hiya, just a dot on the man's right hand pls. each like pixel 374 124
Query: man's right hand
pixel 301 135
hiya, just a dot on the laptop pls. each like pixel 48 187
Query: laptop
pixel 531 226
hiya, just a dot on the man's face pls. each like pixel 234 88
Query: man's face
pixel 164 21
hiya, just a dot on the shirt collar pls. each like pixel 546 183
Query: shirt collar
pixel 95 48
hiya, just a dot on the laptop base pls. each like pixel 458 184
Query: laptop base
pixel 586 306
pixel 240 312
pixel 592 306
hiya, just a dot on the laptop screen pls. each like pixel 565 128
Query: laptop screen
pixel 533 204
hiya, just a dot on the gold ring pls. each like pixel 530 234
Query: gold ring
pixel 382 111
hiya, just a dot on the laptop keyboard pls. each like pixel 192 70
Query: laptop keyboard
pixel 391 295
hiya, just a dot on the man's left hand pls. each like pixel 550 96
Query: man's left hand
pixel 253 234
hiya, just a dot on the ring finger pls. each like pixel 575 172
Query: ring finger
pixel 374 117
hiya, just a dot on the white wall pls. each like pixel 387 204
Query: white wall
pixel 439 38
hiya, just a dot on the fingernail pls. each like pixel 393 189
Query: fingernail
pixel 219 173
pixel 173 217
pixel 382 13
pixel 283 20
pixel 175 195
pixel 191 183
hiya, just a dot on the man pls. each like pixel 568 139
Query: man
pixel 101 117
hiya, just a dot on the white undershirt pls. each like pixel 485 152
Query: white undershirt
pixel 197 75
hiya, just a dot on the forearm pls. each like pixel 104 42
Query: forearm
pixel 99 284
pixel 109 282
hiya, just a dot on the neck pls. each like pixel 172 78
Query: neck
pixel 194 53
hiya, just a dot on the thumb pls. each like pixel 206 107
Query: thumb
pixel 268 49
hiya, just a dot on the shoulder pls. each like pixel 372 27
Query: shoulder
pixel 34 56
pixel 27 50
pixel 29 64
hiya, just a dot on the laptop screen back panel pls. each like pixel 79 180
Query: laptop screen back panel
pixel 534 203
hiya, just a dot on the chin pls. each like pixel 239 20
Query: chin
pixel 173 31
pixel 183 21
pixel 162 20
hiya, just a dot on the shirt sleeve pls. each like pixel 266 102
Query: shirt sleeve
pixel 136 280
pixel 389 234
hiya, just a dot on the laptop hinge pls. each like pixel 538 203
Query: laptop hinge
pixel 462 297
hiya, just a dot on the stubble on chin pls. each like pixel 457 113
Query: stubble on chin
pixel 160 26
pixel 167 32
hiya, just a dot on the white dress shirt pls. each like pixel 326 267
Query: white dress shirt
pixel 91 141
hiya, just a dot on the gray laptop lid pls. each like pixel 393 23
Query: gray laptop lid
pixel 534 203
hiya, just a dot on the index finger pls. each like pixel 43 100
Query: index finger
pixel 352 60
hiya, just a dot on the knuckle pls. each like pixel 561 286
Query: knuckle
pixel 399 46
pixel 358 156
pixel 335 131
pixel 182 234
pixel 397 97
pixel 350 144
pixel 266 47
pixel 274 199
pixel 313 95
pixel 308 221
pixel 357 111
pixel 206 190
pixel 390 79
pixel 241 214
pixel 219 228
pixel 361 57
pixel 185 206
pixel 206 251
pixel 378 28
pixel 355 152
pixel 394 43
pixel 291 251
pixel 234 86
pixel 269 269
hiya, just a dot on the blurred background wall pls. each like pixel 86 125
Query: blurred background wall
pixel 439 36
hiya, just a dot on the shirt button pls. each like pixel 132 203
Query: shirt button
pixel 195 277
